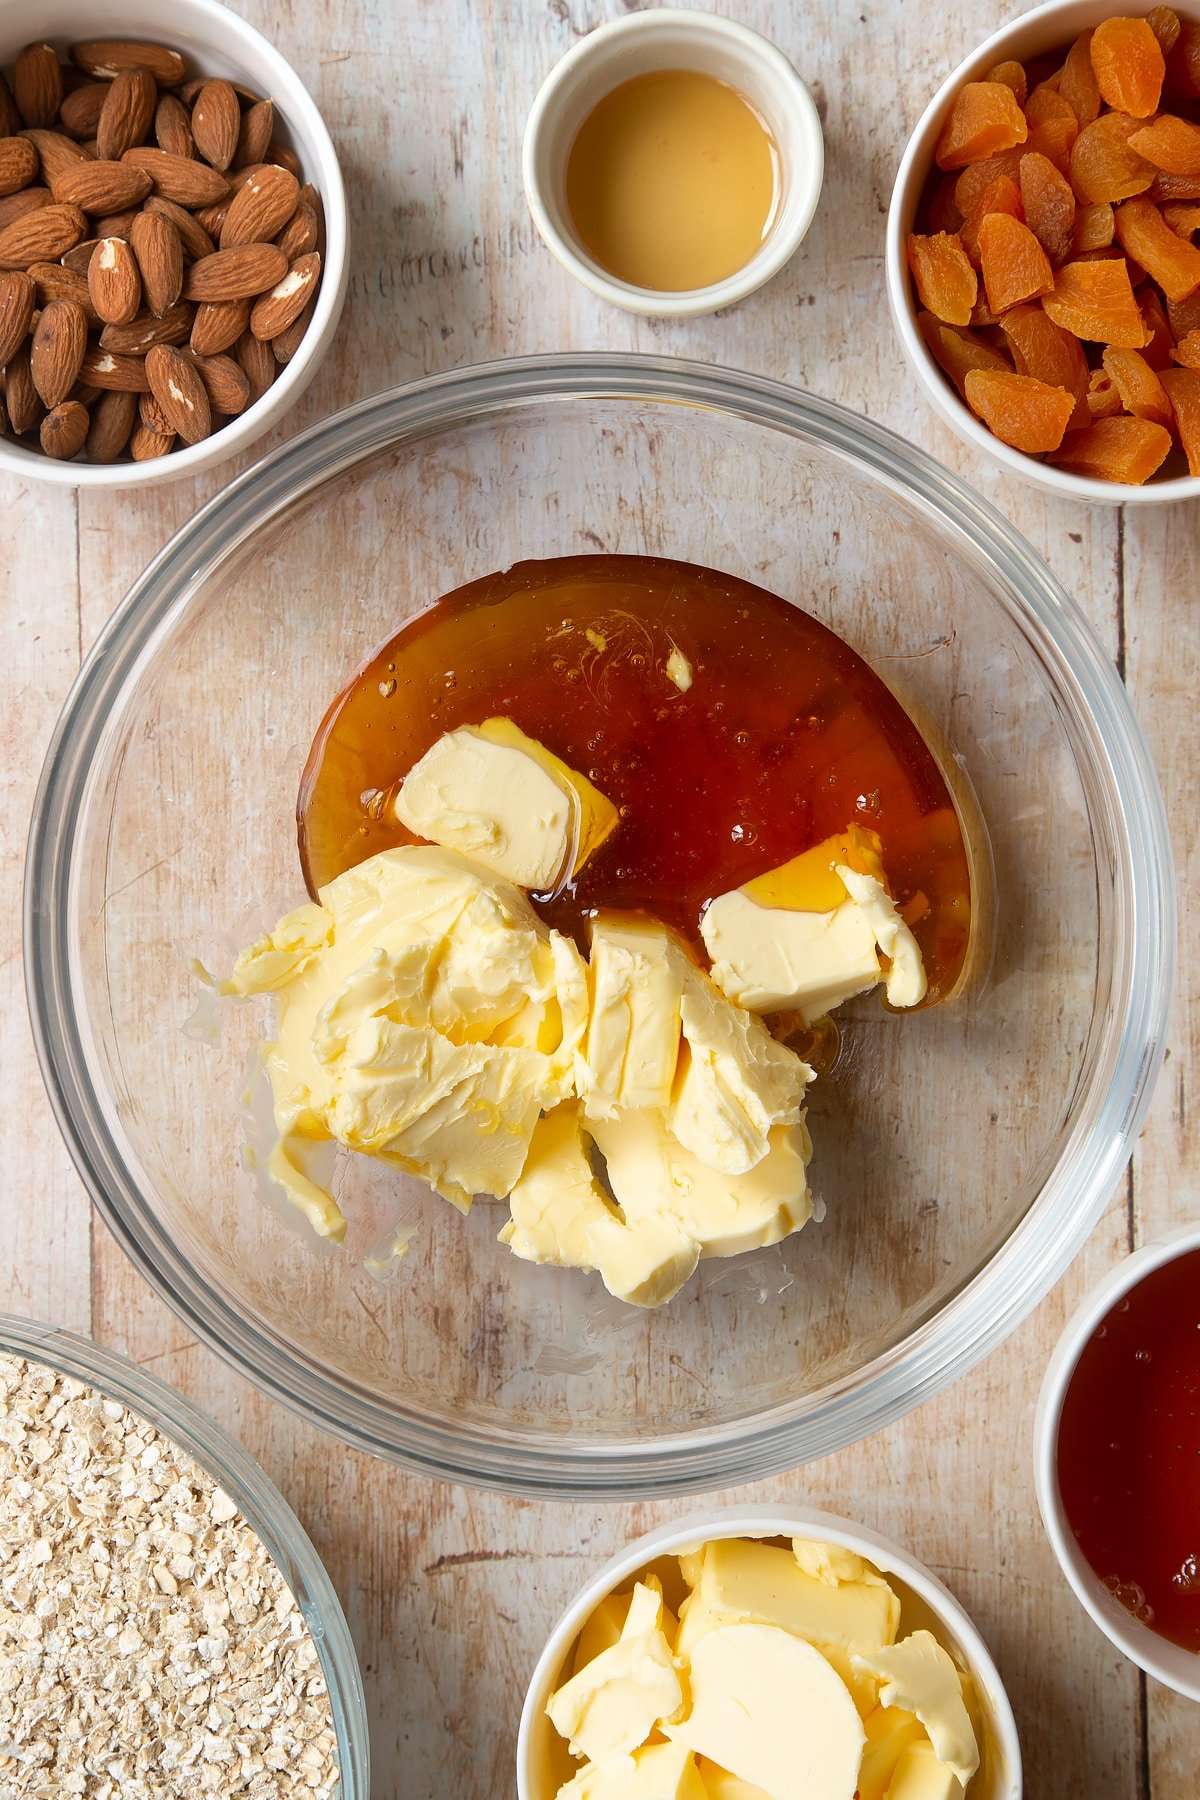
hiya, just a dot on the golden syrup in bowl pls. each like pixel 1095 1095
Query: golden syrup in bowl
pixel 731 730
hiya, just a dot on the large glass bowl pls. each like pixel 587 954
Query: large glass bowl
pixel 962 1155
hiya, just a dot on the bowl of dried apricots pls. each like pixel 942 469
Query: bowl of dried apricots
pixel 1043 260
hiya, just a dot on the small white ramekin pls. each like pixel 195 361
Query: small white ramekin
pixel 1045 29
pixel 670 38
pixel 925 1604
pixel 1169 1663
pixel 215 41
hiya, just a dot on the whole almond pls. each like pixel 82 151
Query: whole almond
pixel 114 281
pixel 152 415
pixel 258 123
pixel 192 235
pixel 83 391
pixel 114 416
pixel 286 343
pixel 106 58
pixel 18 164
pixel 236 274
pixel 225 382
pixel 54 282
pixel 56 153
pixel 118 224
pixel 20 395
pixel 17 294
pixel 257 363
pixel 286 159
pixel 176 385
pixel 101 187
pixel 218 324
pixel 172 127
pixel 159 255
pixel 40 236
pixel 80 110
pixel 176 178
pixel 299 235
pixel 279 308
pixel 212 218
pixel 145 445
pixel 216 123
pixel 78 258
pixel 109 370
pixel 57 349
pixel 127 113
pixel 15 206
pixel 64 429
pixel 10 118
pixel 37 85
pixel 141 334
pixel 261 207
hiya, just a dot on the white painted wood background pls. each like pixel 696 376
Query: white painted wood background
pixel 449 1592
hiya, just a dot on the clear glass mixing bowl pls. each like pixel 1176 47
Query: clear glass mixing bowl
pixel 962 1155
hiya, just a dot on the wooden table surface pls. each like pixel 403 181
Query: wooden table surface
pixel 449 1592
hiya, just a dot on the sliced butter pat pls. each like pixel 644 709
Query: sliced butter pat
pixel 918 1675
pixel 742 1579
pixel 920 1775
pixel 719 1784
pixel 734 1082
pixel 904 982
pixel 834 1564
pixel 502 798
pixel 608 1709
pixel 691 1561
pixel 637 970
pixel 606 1621
pixel 890 1731
pixel 561 1215
pixel 657 1182
pixel 656 1772
pixel 768 1707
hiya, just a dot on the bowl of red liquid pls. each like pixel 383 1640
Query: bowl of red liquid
pixel 1118 1457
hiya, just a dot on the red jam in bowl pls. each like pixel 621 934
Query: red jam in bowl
pixel 1129 1451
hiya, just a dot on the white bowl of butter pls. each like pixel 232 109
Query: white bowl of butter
pixel 672 161
pixel 766 1654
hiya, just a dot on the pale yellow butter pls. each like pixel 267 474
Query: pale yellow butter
pixel 921 1775
pixel 636 977
pixel 608 1709
pixel 889 1733
pixel 655 1772
pixel 742 1579
pixel 919 1676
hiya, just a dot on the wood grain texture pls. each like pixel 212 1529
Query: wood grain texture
pixel 449 1593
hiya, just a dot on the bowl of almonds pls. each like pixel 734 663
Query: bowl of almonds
pixel 173 247
pixel 1043 250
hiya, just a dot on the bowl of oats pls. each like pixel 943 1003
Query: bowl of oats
pixel 166 1626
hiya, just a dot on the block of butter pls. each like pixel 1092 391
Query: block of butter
pixel 501 798
pixel 814 932
pixel 792 1687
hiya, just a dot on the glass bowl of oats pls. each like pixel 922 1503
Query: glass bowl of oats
pixel 166 1626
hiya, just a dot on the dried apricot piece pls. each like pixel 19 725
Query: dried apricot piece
pixel 1103 167
pixel 1169 143
pixel 1012 74
pixel 1020 411
pixel 984 118
pixel 946 282
pixel 1015 267
pixel 1117 449
pixel 1183 216
pixel 1174 187
pixel 1187 351
pixel 1129 66
pixel 973 183
pixel 1103 396
pixel 1053 126
pixel 982 316
pixel 1183 64
pixel 1095 300
pixel 1183 385
pixel 1048 201
pixel 1159 338
pixel 1094 227
pixel 1165 25
pixel 1172 262
pixel 1184 316
pixel 1002 195
pixel 956 351
pixel 1142 393
pixel 1077 82
pixel 1042 349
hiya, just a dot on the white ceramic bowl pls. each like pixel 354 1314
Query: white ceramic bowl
pixel 924 1604
pixel 1169 1663
pixel 1036 33
pixel 215 42
pixel 670 38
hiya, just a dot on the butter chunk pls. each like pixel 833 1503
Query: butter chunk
pixel 637 971
pixel 657 1772
pixel 656 1181
pixel 904 981
pixel 719 1784
pixel 890 1731
pixel 920 1775
pixel 610 1707
pixel 498 796
pixel 742 1579
pixel 919 1676
pixel 606 1621
pixel 734 1082
pixel 767 1707
pixel 280 955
